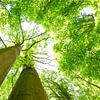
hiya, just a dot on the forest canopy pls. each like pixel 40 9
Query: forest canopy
pixel 71 28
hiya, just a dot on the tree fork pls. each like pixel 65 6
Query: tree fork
pixel 7 59
pixel 28 87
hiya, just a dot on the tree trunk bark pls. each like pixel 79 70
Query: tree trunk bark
pixel 28 87
pixel 7 58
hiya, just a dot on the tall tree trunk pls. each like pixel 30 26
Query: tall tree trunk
pixel 7 58
pixel 28 87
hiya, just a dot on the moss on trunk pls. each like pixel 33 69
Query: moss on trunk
pixel 28 87
pixel 7 58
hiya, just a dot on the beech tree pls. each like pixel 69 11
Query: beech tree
pixel 73 26
pixel 7 58
pixel 28 87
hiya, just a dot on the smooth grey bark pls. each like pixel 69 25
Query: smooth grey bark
pixel 28 87
pixel 7 59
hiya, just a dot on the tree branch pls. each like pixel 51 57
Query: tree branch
pixel 65 94
pixel 3 42
pixel 41 61
pixel 35 36
pixel 53 91
pixel 88 82
pixel 34 44
pixel 5 8
pixel 21 31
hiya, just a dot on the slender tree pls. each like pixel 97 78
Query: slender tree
pixel 28 87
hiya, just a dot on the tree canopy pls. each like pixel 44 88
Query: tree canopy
pixel 72 26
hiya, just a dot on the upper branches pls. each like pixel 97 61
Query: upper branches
pixel 34 42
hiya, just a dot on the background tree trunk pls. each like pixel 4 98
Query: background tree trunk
pixel 28 87
pixel 7 58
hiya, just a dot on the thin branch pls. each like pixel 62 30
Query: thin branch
pixel 65 94
pixel 21 31
pixel 35 36
pixel 53 91
pixel 3 42
pixel 88 82
pixel 40 53
pixel 43 58
pixel 10 41
pixel 41 61
pixel 5 8
pixel 34 44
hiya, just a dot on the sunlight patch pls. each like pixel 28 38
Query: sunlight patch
pixel 87 11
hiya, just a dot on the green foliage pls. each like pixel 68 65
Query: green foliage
pixel 56 86
pixel 76 36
